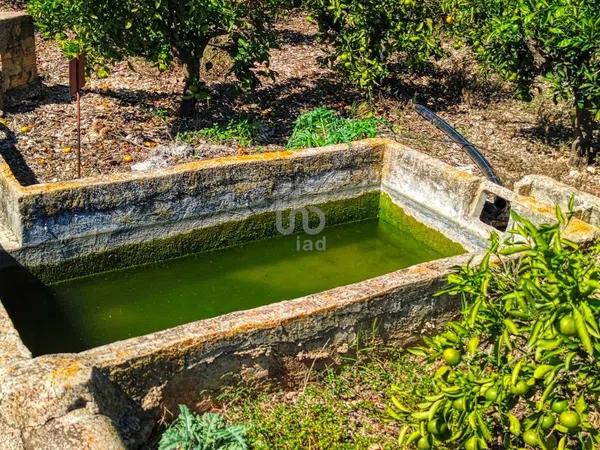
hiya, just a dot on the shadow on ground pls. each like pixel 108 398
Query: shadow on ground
pixel 442 88
pixel 37 96
pixel 8 151
pixel 275 107
pixel 132 97
pixel 555 135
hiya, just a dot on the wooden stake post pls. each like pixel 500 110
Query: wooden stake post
pixel 76 83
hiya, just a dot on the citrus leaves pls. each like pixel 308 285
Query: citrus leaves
pixel 555 39
pixel 582 331
pixel 367 36
pixel 163 31
pixel 522 367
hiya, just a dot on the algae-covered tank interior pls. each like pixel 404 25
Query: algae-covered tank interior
pixel 80 313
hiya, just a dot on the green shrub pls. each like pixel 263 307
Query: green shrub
pixel 206 432
pixel 521 369
pixel 162 31
pixel 323 127
pixel 365 37
pixel 556 39
pixel 242 132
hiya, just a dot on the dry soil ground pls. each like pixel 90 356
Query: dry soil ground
pixel 126 115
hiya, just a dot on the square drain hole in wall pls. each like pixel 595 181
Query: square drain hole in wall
pixel 496 212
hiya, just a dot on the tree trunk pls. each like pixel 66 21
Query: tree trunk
pixel 191 68
pixel 582 147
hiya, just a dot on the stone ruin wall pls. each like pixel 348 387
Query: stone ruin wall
pixel 17 54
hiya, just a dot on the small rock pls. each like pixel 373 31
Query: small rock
pixel 177 151
pixel 152 163
pixel 466 168
pixel 163 156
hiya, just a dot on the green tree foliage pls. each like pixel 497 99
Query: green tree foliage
pixel 367 36
pixel 161 31
pixel 558 39
pixel 206 432
pixel 522 367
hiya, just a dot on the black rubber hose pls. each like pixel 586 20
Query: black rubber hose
pixel 471 150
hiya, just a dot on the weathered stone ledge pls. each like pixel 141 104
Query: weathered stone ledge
pixel 104 398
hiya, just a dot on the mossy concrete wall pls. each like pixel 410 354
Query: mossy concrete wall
pixel 61 221
pixel 104 398
pixel 99 221
pixel 280 341
pixel 109 397
pixel 203 239
pixel 451 201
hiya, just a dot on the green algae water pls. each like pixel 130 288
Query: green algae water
pixel 83 313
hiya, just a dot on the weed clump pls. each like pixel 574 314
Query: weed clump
pixel 322 127
pixel 243 133
pixel 207 432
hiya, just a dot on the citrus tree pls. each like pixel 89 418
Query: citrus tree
pixel 365 37
pixel 556 39
pixel 162 31
pixel 522 367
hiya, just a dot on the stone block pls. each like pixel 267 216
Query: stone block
pixel 548 190
pixel 17 54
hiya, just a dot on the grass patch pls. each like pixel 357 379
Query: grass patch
pixel 242 132
pixel 322 127
pixel 337 409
